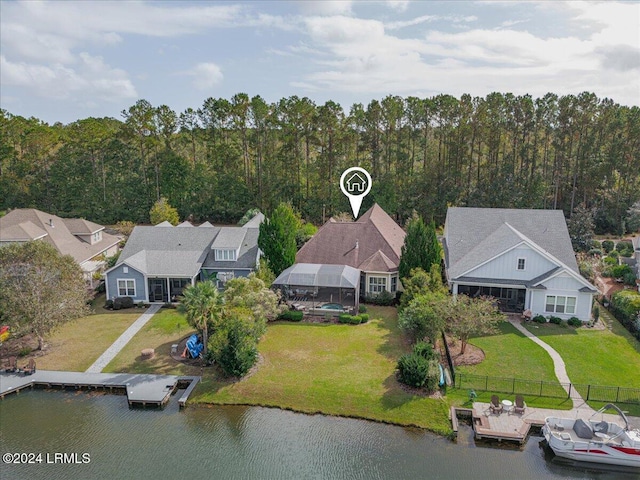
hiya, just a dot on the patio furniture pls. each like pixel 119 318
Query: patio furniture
pixel 30 368
pixel 520 405
pixel 507 405
pixel 495 406
pixel 13 365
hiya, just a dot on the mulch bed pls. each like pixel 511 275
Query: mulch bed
pixel 472 354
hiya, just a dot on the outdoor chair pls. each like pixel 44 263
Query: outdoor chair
pixel 30 368
pixel 495 406
pixel 13 365
pixel 520 405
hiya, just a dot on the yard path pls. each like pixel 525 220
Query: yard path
pixel 111 352
pixel 558 367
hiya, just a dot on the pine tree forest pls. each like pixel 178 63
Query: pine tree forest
pixel 424 154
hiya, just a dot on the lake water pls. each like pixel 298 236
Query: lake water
pixel 246 443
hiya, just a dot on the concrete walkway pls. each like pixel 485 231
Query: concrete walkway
pixel 111 352
pixel 558 367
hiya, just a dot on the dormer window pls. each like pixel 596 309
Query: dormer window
pixel 521 263
pixel 225 255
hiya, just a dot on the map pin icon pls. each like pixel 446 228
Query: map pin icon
pixel 355 183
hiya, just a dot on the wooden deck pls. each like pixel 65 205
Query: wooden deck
pixel 141 390
pixel 514 427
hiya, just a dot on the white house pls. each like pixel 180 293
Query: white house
pixel 524 258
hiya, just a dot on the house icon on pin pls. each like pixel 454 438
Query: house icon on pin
pixel 356 184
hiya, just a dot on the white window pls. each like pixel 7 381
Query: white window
pixel 394 284
pixel 225 255
pixel 97 237
pixel 126 288
pixel 125 269
pixel 377 284
pixel 560 304
pixel 521 263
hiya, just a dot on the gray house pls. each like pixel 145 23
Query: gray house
pixel 157 263
pixel 523 258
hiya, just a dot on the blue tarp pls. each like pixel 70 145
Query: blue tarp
pixel 195 346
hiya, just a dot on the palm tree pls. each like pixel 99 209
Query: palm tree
pixel 202 304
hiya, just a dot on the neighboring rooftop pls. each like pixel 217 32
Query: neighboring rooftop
pixel 26 224
pixel 475 235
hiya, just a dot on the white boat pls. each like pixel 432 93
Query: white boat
pixel 594 441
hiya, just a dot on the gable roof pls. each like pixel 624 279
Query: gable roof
pixel 373 241
pixel 167 251
pixel 475 235
pixel 247 255
pixel 25 224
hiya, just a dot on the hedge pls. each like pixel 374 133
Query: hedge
pixel 625 306
pixel 291 315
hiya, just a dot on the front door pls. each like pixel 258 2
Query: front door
pixel 158 290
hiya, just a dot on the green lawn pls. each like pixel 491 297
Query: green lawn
pixel 77 344
pixel 332 369
pixel 510 354
pixel 597 357
pixel 164 329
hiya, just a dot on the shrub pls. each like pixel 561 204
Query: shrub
pixel 122 303
pixel 596 244
pixel 539 319
pixel 555 320
pixel 613 254
pixel 586 270
pixel 108 304
pixel 291 315
pixel 596 312
pixel 607 271
pixel 595 251
pixel 24 351
pixel 351 319
pixel 619 271
pixel 413 370
pixel 607 245
pixel 424 349
pixel 575 322
pixel 625 306
pixel 362 308
pixel 385 298
pixel 610 261
pixel 623 247
pixel 364 317
pixel 629 278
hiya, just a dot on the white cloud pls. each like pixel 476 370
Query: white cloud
pixel 91 77
pixel 398 5
pixel 206 75
pixel 325 7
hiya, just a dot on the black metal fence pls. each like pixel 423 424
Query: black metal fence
pixel 452 368
pixel 598 393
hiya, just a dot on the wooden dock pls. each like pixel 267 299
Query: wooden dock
pixel 141 390
pixel 512 427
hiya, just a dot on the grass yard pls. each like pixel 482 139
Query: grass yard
pixel 164 329
pixel 510 354
pixel 79 343
pixel 332 369
pixel 598 357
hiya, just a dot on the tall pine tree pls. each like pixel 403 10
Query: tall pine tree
pixel 421 248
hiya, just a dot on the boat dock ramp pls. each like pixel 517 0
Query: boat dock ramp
pixel 142 390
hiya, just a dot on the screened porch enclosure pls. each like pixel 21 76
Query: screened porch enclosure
pixel 509 299
pixel 320 289
pixel 166 289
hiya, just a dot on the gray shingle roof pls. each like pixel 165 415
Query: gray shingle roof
pixel 246 257
pixel 229 238
pixel 167 251
pixel 474 235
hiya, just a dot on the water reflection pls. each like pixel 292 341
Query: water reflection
pixel 247 443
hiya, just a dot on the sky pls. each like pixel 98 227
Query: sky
pixel 63 61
